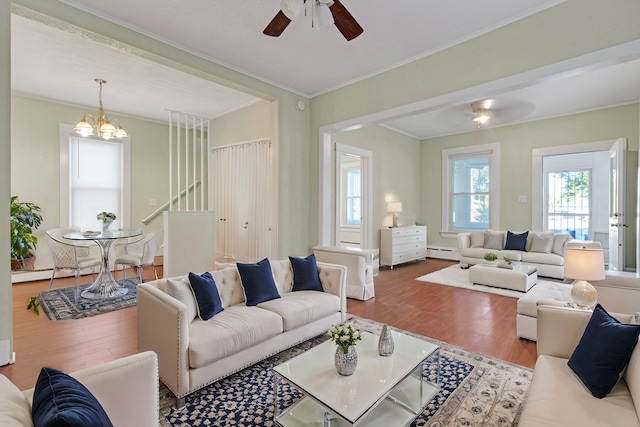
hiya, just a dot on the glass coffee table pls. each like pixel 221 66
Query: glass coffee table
pixel 383 391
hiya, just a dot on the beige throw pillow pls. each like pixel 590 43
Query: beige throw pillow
pixel 542 244
pixel 493 240
pixel 560 243
pixel 181 290
pixel 477 239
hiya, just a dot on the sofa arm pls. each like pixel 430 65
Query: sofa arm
pixel 127 389
pixel 560 329
pixel 163 328
pixel 334 280
pixel 464 241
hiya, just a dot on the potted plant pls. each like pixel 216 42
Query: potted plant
pixel 25 218
pixel 490 258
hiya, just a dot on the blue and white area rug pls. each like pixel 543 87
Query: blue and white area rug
pixel 477 390
pixel 66 303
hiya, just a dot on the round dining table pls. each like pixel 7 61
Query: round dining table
pixel 105 286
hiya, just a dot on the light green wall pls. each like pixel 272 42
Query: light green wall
pixel 246 124
pixel 6 305
pixel 571 29
pixel 396 172
pixel 516 145
pixel 35 165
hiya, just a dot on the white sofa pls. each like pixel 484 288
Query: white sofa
pixel 557 397
pixel 126 388
pixel 549 261
pixel 362 266
pixel 193 353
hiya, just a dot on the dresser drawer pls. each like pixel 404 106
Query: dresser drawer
pixel 404 240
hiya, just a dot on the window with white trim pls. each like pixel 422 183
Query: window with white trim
pixel 470 190
pixel 95 176
pixel 351 196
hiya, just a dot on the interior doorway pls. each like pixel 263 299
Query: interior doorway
pixel 353 197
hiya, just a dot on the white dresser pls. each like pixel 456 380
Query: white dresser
pixel 402 244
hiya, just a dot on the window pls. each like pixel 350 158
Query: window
pixel 94 177
pixel 470 188
pixel 569 203
pixel 351 213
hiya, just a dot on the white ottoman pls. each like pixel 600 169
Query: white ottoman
pixel 551 293
pixel 521 277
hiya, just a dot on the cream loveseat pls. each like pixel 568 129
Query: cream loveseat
pixel 545 250
pixel 126 388
pixel 193 353
pixel 557 397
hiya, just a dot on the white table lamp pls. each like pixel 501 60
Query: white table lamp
pixel 584 261
pixel 394 208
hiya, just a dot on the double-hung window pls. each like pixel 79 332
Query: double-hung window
pixel 94 178
pixel 470 191
pixel 351 211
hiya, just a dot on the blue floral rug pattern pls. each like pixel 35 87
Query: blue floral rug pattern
pixel 66 303
pixel 476 390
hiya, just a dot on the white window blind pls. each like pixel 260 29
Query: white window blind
pixel 95 181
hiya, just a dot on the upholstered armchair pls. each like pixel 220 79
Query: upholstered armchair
pixel 362 265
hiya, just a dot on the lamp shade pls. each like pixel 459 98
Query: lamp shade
pixel 322 15
pixel 394 207
pixel 584 261
pixel 291 8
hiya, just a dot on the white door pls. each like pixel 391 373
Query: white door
pixel 617 220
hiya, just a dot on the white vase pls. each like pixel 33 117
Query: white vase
pixel 346 363
pixel 105 225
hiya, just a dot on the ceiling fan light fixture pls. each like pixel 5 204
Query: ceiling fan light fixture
pixel 291 8
pixel 481 111
pixel 322 15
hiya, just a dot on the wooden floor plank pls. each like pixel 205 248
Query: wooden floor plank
pixel 477 321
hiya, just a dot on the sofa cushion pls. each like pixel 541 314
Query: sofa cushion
pixel 632 377
pixel 229 286
pixel 206 294
pixel 516 242
pixel 301 308
pixel 15 409
pixel 541 243
pixel 493 240
pixel 603 351
pixel 477 239
pixel 257 282
pixel 238 327
pixel 558 398
pixel 180 289
pixel 540 258
pixel 305 274
pixel 61 400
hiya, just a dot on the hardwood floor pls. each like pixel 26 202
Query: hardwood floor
pixel 477 321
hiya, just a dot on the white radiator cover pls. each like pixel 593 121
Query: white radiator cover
pixel 441 252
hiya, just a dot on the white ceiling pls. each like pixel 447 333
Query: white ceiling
pixel 58 64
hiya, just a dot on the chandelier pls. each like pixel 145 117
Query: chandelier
pixel 89 126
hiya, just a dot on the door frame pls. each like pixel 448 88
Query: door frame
pixel 366 203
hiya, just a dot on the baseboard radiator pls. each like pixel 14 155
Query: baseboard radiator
pixel 441 252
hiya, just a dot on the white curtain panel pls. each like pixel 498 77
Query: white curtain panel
pixel 244 199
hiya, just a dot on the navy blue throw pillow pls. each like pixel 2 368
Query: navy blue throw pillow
pixel 603 352
pixel 60 400
pixel 206 294
pixel 516 242
pixel 305 274
pixel 257 281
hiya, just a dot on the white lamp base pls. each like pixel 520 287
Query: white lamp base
pixel 584 295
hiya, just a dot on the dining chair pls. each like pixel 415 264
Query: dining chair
pixel 69 256
pixel 139 254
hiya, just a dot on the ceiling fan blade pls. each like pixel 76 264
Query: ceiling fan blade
pixel 345 22
pixel 277 25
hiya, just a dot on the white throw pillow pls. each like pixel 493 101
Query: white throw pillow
pixel 477 239
pixel 181 290
pixel 493 240
pixel 636 317
pixel 542 244
pixel 560 243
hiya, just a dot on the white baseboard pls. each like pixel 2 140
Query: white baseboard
pixel 441 252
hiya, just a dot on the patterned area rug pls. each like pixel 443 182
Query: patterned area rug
pixel 455 276
pixel 477 391
pixel 66 303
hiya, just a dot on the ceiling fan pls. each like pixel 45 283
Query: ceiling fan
pixel 339 15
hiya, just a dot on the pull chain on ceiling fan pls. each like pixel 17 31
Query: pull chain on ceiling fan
pixel 290 9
